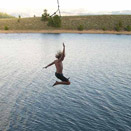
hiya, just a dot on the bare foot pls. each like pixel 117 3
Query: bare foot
pixel 56 83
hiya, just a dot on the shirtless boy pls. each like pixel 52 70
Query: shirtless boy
pixel 59 68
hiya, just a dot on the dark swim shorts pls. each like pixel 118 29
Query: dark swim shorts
pixel 61 77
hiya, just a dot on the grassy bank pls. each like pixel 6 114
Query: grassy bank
pixel 98 22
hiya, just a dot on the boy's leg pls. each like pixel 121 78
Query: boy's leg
pixel 64 80
pixel 62 83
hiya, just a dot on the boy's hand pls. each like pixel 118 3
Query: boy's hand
pixel 45 67
pixel 63 45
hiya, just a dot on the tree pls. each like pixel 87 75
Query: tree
pixel 45 16
pixel 54 21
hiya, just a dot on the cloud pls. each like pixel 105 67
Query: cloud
pixel 124 12
pixel 86 12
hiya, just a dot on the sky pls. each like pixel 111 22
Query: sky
pixel 27 8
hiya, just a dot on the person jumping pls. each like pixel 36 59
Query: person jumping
pixel 59 68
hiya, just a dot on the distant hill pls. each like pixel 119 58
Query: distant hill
pixel 4 15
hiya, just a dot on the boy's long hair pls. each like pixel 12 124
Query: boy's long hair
pixel 58 54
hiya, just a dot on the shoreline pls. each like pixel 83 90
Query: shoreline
pixel 67 31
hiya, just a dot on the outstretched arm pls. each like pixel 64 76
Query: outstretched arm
pixel 63 54
pixel 50 64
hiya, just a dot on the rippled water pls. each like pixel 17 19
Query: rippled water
pixel 98 99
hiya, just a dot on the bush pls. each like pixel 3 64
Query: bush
pixel 57 21
pixel 117 28
pixel 80 27
pixel 50 22
pixel 18 20
pixel 120 24
pixel 54 21
pixel 6 28
pixel 128 28
pixel 103 28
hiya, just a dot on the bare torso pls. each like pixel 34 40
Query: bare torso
pixel 59 66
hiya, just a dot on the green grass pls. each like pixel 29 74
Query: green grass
pixel 97 22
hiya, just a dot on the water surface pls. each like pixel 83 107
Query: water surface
pixel 98 99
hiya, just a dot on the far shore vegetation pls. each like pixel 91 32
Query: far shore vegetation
pixel 5 15
pixel 45 22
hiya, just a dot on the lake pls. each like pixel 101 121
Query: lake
pixel 98 99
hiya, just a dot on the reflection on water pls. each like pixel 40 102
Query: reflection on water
pixel 97 99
